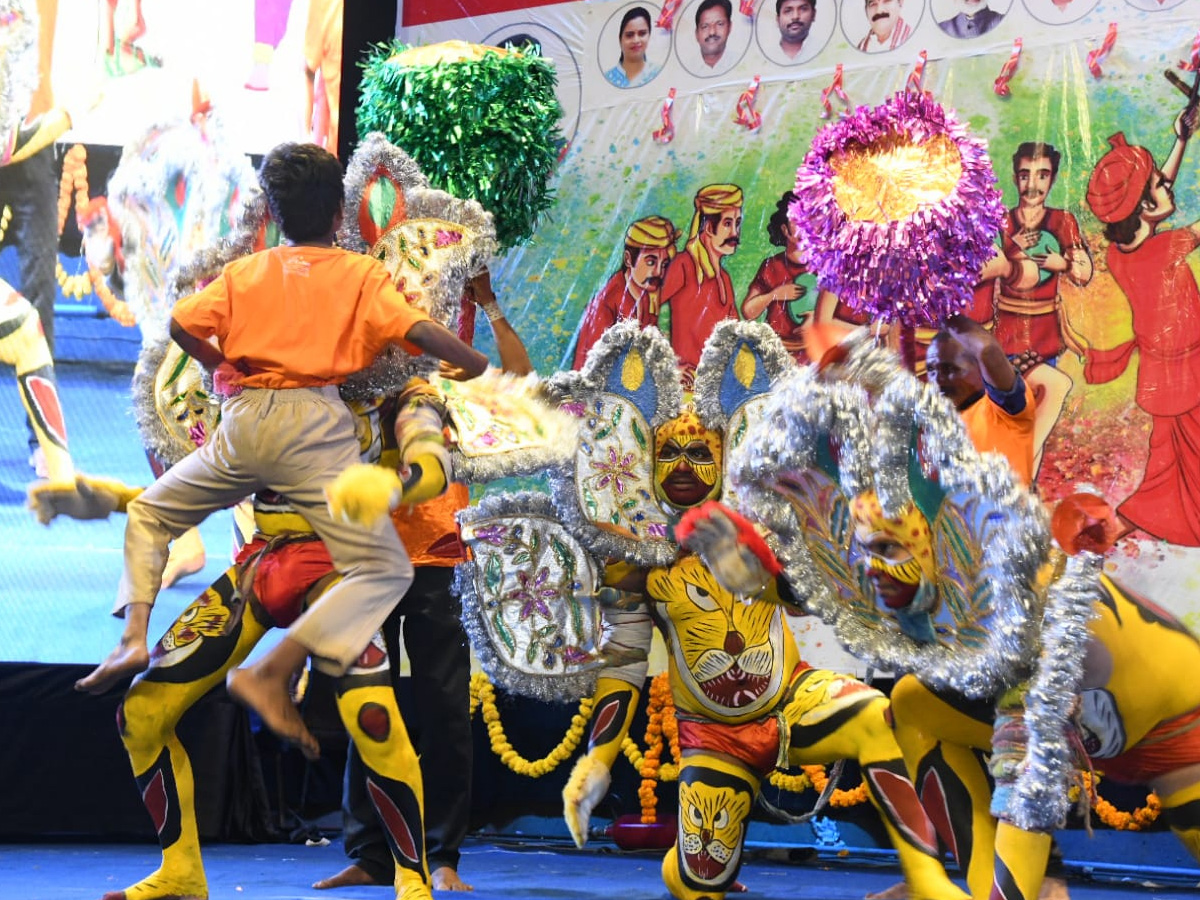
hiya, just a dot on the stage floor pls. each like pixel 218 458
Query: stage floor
pixel 511 872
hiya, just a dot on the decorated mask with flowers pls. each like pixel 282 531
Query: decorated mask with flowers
pixel 924 555
pixel 643 458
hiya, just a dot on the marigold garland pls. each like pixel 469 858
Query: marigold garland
pixel 1139 819
pixel 632 752
pixel 115 307
pixel 74 184
pixel 74 286
pixel 5 218
pixel 839 798
pixel 662 724
pixel 483 694
pixel 795 784
pixel 661 711
pixel 74 180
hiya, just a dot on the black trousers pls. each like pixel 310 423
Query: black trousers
pixel 30 189
pixel 436 715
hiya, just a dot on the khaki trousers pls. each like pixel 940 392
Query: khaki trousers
pixel 293 441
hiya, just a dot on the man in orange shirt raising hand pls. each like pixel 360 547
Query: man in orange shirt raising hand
pixel 970 369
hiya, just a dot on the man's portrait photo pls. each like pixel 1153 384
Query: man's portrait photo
pixel 966 19
pixel 790 32
pixel 889 23
pixel 709 39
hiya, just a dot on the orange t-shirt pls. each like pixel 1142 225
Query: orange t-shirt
pixel 991 428
pixel 300 316
pixel 429 530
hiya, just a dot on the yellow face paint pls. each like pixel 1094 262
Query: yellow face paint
pixel 906 571
pixel 909 529
pixel 685 440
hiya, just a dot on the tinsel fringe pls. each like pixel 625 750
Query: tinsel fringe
pixel 552 688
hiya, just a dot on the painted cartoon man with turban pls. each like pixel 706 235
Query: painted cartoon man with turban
pixel 697 290
pixel 1130 194
pixel 633 291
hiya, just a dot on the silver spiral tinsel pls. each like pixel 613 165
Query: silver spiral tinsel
pixel 873 434
pixel 739 357
pixel 1039 800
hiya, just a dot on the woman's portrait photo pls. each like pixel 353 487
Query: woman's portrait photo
pixel 635 64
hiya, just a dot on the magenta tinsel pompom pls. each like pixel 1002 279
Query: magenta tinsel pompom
pixel 918 269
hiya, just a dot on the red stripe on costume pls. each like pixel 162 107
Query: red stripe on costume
pixel 155 798
pixel 45 398
pixel 898 794
pixel 933 798
pixel 394 822
pixel 605 715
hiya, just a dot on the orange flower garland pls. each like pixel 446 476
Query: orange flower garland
pixel 74 179
pixel 663 724
pixel 839 798
pixel 661 711
pixel 74 182
pixel 1137 820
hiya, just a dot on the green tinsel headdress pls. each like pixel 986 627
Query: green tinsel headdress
pixel 480 122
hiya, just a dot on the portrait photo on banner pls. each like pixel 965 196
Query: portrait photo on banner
pixel 711 37
pixel 969 19
pixel 793 32
pixel 630 51
pixel 880 26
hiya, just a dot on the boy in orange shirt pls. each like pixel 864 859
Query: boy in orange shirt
pixel 291 323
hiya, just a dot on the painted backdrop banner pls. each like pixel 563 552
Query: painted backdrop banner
pixel 1082 105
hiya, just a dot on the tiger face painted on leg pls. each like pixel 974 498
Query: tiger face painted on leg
pixel 716 796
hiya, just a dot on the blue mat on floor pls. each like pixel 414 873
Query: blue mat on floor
pixel 497 872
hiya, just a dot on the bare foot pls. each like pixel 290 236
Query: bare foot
pixel 186 557
pixel 351 876
pixel 444 878
pixel 271 701
pixel 895 892
pixel 126 660
pixel 738 888
pixel 1054 889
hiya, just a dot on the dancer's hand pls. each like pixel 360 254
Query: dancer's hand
pixel 585 788
pixel 730 546
pixel 88 498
